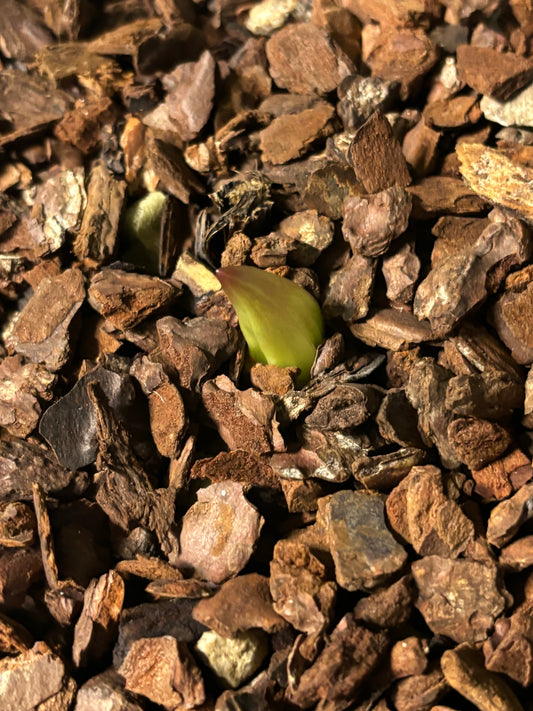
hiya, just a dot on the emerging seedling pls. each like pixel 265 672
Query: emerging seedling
pixel 281 322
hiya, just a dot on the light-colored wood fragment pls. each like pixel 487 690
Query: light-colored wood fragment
pixel 496 177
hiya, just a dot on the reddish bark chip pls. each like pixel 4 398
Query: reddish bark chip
pixel 433 523
pixel 163 670
pixel 241 604
pixel 495 480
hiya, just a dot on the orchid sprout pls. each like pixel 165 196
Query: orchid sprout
pixel 281 322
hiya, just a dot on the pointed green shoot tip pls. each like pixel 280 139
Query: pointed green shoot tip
pixel 281 322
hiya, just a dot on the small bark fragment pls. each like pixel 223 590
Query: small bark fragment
pixel 96 240
pixel 21 387
pixel 477 442
pixel 300 588
pixel 42 332
pixel 219 532
pixel 507 517
pixel 420 691
pixel 404 55
pixel 241 604
pixel 387 607
pixel 97 625
pixel 363 550
pixel 291 135
pixel 426 391
pixel 349 657
pixel 376 156
pixel 190 92
pixel 392 329
pixel 245 419
pixel 497 74
pixel 125 299
pixel 494 176
pixel 510 649
pixel 371 223
pixel 500 478
pixel 464 671
pixel 106 689
pixel 303 59
pixel 23 464
pixel 349 290
pixel 469 613
pixel 162 670
pixel 36 679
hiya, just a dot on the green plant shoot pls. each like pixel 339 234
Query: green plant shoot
pixel 281 322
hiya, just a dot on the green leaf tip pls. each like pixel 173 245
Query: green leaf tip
pixel 281 322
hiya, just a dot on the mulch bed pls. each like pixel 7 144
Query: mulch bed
pixel 180 528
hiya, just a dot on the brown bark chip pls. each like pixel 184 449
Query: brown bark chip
pixel 241 604
pixel 387 607
pixel 363 549
pixel 104 689
pixel 343 666
pixel 371 223
pixel 464 671
pixel 303 59
pixel 125 299
pixel 477 442
pixel 507 517
pixel 96 241
pixel 458 598
pixel 186 109
pixel 376 156
pixel 291 135
pixel 510 649
pixel 162 670
pixel 499 179
pixel 300 588
pixel 404 55
pixel 244 419
pixel 495 481
pixel 497 74
pixel 97 625
pixel 35 679
pixel 42 333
